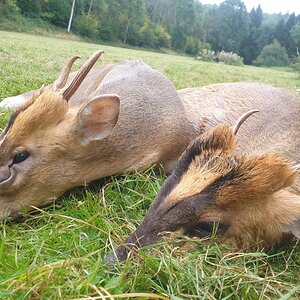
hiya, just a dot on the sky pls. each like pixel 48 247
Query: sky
pixel 268 6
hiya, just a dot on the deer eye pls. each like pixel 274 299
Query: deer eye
pixel 20 157
pixel 203 229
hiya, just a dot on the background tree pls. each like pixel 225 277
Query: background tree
pixel 184 25
pixel 230 26
pixel 273 55
pixel 250 47
pixel 30 8
pixel 56 12
pixel 8 8
pixel 295 34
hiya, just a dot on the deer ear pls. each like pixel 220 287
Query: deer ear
pixel 219 137
pixel 97 118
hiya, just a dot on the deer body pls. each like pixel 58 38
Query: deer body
pixel 274 129
pixel 145 119
pixel 251 194
pixel 241 200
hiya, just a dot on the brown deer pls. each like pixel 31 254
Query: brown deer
pixel 118 118
pixel 241 200
pixel 98 122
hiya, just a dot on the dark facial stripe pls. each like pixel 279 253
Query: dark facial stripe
pixel 195 149
pixel 9 124
pixel 182 166
pixel 221 181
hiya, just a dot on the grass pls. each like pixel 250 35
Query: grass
pixel 37 26
pixel 57 253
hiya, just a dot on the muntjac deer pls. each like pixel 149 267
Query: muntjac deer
pixel 99 122
pixel 117 118
pixel 242 200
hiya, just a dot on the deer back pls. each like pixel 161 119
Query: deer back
pixel 274 129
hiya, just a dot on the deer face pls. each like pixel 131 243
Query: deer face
pixel 212 191
pixel 47 146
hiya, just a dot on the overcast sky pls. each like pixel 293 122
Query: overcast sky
pixel 268 6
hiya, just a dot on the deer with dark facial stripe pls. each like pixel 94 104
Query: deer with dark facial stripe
pixel 242 200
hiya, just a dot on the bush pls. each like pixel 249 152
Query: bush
pixel 162 36
pixel 230 58
pixel 154 36
pixel 191 46
pixel 87 25
pixel 273 55
pixel 296 65
pixel 224 57
pixel 8 8
pixel 207 55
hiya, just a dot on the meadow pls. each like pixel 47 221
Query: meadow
pixel 58 252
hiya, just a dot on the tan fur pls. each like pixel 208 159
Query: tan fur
pixel 260 222
pixel 253 203
pixel 259 177
pixel 39 116
pixel 192 182
pixel 246 195
pixel 92 135
pixel 274 129
pixel 200 175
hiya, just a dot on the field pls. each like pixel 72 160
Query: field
pixel 58 252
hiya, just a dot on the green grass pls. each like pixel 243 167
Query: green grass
pixel 19 23
pixel 58 253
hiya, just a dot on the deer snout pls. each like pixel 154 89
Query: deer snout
pixel 5 175
pixel 146 234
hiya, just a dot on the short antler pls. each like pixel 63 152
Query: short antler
pixel 242 119
pixel 63 77
pixel 80 76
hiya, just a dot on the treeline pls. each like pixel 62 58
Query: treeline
pixel 183 25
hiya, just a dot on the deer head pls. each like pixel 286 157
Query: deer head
pixel 47 146
pixel 240 200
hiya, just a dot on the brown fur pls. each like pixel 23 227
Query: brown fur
pixel 245 194
pixel 101 131
pixel 252 202
pixel 274 129
pixel 73 143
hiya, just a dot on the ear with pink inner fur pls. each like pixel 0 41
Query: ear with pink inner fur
pixel 97 118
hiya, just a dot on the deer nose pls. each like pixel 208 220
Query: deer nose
pixel 5 173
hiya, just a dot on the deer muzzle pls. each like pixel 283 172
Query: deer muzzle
pixel 6 175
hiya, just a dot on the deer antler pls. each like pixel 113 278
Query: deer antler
pixel 80 76
pixel 63 77
pixel 242 119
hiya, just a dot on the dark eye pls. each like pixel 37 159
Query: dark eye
pixel 203 229
pixel 19 157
